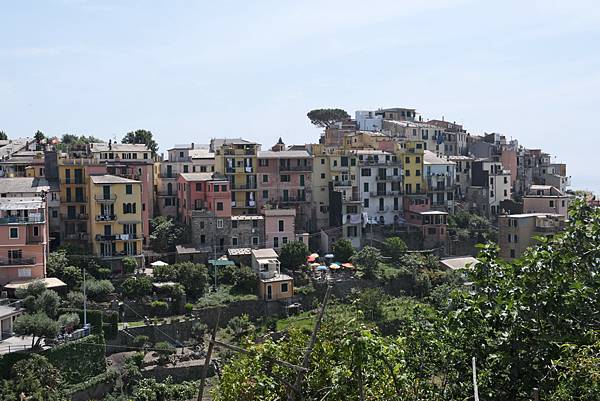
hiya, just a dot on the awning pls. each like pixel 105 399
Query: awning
pixel 159 263
pixel 50 282
pixel 221 262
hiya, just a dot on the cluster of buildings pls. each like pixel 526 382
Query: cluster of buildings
pixel 384 167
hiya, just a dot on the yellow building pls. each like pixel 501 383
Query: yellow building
pixel 412 153
pixel 115 216
pixel 237 160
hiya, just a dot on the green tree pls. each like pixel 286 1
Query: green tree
pixel 72 276
pixel 245 281
pixel 48 302
pixel 129 265
pixel 394 248
pixel 136 287
pixel 141 136
pixel 68 321
pixel 368 260
pixel 325 118
pixel 99 290
pixel 193 277
pixel 164 350
pixel 38 326
pixel 39 136
pixel 33 379
pixel 166 234
pixel 343 250
pixel 370 302
pixel 293 254
pixel 3 136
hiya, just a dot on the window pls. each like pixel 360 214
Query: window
pixel 284 287
pixel 509 237
pixel 365 172
pixel 322 176
pixel 234 224
pixel 284 240
pixel 281 225
pixel 219 223
pixel 285 178
pixel 254 223
pixel 406 160
pixel 265 194
pixel 551 203
pixel 417 159
pixel 366 187
pixel 255 241
pixel 265 178
pixel 55 213
pixel 431 231
pixel 219 206
pixel 418 173
pixel 36 231
pixel 181 154
pixel 563 203
pixel 419 146
pixel 216 188
pixel 505 192
pixel 263 162
pixel 512 253
pixel 506 180
pixel 366 202
pixel 203 239
pixel 128 189
pixel 234 241
pixel 275 242
pixel 198 187
pixel 322 161
pixel 14 233
pixel 407 173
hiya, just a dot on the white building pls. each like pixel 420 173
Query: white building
pixel 380 185
pixel 440 175
pixel 368 120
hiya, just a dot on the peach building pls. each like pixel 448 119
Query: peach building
pixel 280 227
pixel 202 191
pixel 23 239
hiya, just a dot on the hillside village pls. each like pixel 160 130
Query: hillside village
pixel 123 266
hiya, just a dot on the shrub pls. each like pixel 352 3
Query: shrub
pixel 164 350
pixel 129 264
pixel 69 321
pixel 99 290
pixel 159 307
pixel 141 341
pixel 189 307
pixel 136 287
pixel 343 250
pixel 245 281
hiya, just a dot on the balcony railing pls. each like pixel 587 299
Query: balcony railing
pixel 78 236
pixel 342 183
pixel 16 261
pixel 76 216
pixel 390 178
pixel 243 186
pixel 117 237
pixel 385 193
pixel 295 168
pixel 238 205
pixel 105 198
pixel 293 200
pixel 22 220
pixel 106 217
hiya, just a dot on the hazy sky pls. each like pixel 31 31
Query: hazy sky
pixel 192 70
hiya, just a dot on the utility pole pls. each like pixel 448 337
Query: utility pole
pixel 84 302
pixel 475 388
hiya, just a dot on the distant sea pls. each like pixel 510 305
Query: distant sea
pixel 587 183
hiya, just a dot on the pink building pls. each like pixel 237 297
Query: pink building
pixel 280 227
pixel 23 239
pixel 546 199
pixel 416 203
pixel 509 162
pixel 284 179
pixel 433 226
pixel 202 191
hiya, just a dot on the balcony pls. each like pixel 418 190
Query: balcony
pixel 242 205
pixel 388 178
pixel 342 183
pixel 76 200
pixel 77 237
pixel 105 217
pixel 293 200
pixel 105 198
pixel 17 261
pixel 117 237
pixel 295 168
pixel 385 193
pixel 243 186
pixel 76 216
pixel 22 220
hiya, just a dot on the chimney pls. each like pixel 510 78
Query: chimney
pixel 110 144
pixel 192 145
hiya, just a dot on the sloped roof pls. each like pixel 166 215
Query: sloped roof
pixel 111 179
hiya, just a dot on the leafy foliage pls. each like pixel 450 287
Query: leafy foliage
pixel 99 290
pixel 293 254
pixel 34 379
pixel 38 326
pixel 136 287
pixel 368 260
pixel 327 117
pixel 143 137
pixel 166 234
pixel 394 248
pixel 245 281
pixel 343 250
pixel 129 264
pixel 3 136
